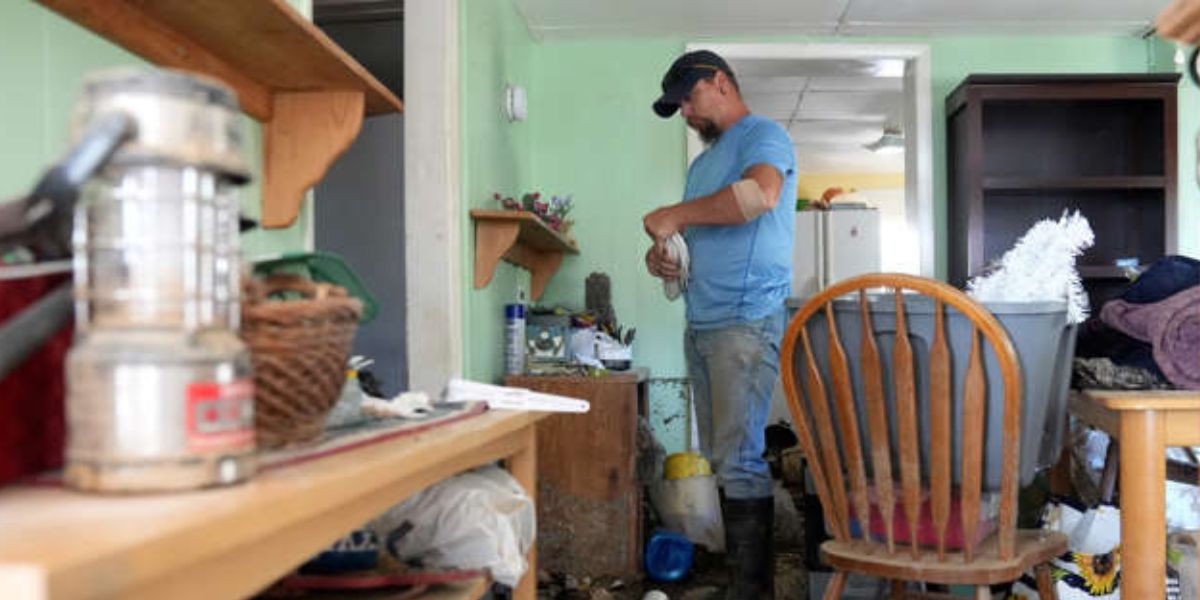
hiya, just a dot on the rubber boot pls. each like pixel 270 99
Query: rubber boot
pixel 749 548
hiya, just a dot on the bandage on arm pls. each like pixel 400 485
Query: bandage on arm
pixel 750 198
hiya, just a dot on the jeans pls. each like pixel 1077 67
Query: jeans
pixel 733 371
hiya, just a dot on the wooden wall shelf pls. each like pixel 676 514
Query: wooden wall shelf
pixel 1101 272
pixel 522 239
pixel 303 87
pixel 1038 184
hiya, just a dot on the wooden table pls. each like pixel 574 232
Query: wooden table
pixel 233 542
pixel 1144 423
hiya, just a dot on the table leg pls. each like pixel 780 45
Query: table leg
pixel 523 466
pixel 1143 504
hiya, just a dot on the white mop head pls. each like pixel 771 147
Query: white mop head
pixel 1041 266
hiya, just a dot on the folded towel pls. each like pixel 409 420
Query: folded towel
pixel 1172 326
pixel 677 251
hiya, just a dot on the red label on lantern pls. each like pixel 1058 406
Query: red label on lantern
pixel 220 416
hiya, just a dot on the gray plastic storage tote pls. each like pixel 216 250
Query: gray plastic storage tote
pixel 1045 345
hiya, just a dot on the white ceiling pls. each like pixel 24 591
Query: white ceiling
pixel 831 108
pixel 707 18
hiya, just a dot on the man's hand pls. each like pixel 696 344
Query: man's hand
pixel 659 264
pixel 662 222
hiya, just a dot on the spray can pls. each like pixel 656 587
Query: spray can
pixel 514 335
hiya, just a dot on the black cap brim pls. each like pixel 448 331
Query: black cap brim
pixel 669 102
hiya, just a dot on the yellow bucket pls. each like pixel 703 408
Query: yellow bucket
pixel 682 465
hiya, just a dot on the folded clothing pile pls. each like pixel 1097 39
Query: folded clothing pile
pixel 1172 328
pixel 1154 324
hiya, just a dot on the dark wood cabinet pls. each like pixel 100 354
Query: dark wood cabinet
pixel 589 497
pixel 1021 148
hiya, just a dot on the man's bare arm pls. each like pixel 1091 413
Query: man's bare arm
pixel 723 207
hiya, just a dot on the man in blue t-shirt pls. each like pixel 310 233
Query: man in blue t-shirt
pixel 738 221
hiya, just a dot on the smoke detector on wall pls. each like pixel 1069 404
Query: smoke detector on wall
pixel 515 107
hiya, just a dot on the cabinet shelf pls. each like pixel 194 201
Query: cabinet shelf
pixel 309 94
pixel 1022 148
pixel 1101 272
pixel 1149 182
pixel 520 238
pixel 471 589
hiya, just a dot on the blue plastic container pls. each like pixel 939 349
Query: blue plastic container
pixel 668 556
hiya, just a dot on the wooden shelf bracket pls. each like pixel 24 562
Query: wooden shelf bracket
pixel 521 239
pixel 495 240
pixel 306 90
pixel 306 133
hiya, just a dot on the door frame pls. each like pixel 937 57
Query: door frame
pixel 433 247
pixel 918 134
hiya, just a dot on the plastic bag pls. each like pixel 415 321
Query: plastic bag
pixel 1183 551
pixel 691 506
pixel 480 519
pixel 1091 568
pixel 1092 565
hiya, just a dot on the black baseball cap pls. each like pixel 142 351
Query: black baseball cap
pixel 683 74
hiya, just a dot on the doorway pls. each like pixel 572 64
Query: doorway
pixel 860 117
pixel 359 206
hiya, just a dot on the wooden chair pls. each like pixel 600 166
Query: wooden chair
pixel 843 479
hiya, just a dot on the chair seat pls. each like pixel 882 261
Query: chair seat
pixel 870 558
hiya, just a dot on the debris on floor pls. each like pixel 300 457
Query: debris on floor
pixel 705 582
pixel 707 578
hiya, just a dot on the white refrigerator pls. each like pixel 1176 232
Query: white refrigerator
pixel 832 245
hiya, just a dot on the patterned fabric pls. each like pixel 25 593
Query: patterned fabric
pixel 1087 577
pixel 1103 373
pixel 1091 568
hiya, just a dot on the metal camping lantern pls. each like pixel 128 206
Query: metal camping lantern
pixel 159 387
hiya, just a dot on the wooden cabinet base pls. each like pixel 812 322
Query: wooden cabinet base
pixel 589 498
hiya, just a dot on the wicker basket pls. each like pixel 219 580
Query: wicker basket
pixel 299 348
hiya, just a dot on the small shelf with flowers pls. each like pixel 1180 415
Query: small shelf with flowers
pixel 529 233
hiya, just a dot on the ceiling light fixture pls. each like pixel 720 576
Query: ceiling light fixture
pixel 891 142
pixel 889 67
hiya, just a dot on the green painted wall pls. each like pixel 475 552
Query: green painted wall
pixel 591 134
pixel 43 58
pixel 496 156
pixel 595 136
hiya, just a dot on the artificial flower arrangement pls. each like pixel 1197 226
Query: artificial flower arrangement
pixel 552 213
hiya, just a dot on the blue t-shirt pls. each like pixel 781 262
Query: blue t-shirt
pixel 741 273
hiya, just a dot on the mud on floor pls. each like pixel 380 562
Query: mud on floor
pixel 706 581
